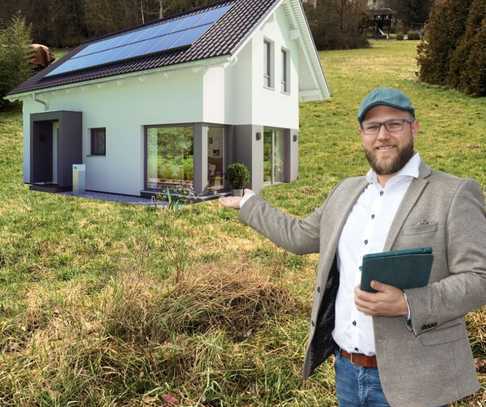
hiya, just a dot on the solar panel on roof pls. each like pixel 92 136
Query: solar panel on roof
pixel 163 36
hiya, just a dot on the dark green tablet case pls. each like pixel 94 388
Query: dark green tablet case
pixel 409 268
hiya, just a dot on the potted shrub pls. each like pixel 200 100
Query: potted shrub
pixel 238 176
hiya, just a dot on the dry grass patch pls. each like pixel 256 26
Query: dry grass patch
pixel 140 337
pixel 233 297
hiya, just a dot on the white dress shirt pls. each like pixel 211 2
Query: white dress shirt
pixel 364 232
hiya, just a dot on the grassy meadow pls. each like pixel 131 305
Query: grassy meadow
pixel 105 304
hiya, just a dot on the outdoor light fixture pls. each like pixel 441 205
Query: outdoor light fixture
pixel 258 136
pixel 295 137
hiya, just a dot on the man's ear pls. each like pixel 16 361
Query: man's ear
pixel 415 128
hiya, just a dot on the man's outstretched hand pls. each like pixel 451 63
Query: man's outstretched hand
pixel 232 201
pixel 389 301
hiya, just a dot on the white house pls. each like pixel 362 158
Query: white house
pixel 174 102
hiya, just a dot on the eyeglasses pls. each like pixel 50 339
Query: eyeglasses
pixel 391 126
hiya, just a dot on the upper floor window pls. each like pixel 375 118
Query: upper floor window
pixel 98 141
pixel 285 71
pixel 268 78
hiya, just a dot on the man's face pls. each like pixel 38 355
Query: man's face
pixel 389 150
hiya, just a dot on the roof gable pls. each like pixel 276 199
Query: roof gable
pixel 313 85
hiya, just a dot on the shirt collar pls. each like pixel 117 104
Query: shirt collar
pixel 410 169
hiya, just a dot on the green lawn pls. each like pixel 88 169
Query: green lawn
pixel 104 304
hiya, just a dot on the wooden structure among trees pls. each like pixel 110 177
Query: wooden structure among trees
pixel 380 21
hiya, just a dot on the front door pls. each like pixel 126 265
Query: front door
pixel 273 155
pixel 42 153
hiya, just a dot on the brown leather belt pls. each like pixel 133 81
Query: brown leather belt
pixel 360 359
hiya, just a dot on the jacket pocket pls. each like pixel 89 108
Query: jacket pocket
pixel 420 229
pixel 440 336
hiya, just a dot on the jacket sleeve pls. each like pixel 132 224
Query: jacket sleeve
pixel 299 236
pixel 465 288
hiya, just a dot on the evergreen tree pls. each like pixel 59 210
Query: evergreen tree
pixel 468 65
pixel 443 32
pixel 15 67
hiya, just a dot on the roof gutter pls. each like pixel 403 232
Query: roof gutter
pixel 176 67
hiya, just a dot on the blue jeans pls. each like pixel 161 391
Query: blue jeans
pixel 358 386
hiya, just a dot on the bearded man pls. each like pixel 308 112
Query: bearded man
pixel 404 348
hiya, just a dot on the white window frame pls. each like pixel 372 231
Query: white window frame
pixel 285 60
pixel 268 64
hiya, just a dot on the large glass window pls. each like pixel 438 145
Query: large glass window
pixel 273 155
pixel 170 152
pixel 215 158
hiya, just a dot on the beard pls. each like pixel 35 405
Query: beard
pixel 392 165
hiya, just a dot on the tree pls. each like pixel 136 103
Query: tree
pixel 412 13
pixel 467 70
pixel 445 28
pixel 15 67
pixel 337 24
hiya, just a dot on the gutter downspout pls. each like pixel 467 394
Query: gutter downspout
pixel 42 102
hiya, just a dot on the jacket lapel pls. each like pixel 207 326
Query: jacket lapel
pixel 412 195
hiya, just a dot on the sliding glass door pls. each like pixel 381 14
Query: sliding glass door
pixel 273 155
pixel 169 157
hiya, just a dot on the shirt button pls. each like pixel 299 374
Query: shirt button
pixel 356 349
pixel 354 323
pixel 373 216
pixel 381 193
pixel 366 242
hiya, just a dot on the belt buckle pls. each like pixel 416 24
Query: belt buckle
pixel 351 358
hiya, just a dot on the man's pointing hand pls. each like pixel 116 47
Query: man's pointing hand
pixel 232 201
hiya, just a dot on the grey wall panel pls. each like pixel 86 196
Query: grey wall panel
pixel 293 156
pixel 257 167
pixel 200 178
pixel 70 146
pixel 287 154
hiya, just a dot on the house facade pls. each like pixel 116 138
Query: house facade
pixel 178 117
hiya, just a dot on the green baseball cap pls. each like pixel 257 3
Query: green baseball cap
pixel 385 97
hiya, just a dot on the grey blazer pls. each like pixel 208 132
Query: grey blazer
pixel 429 361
